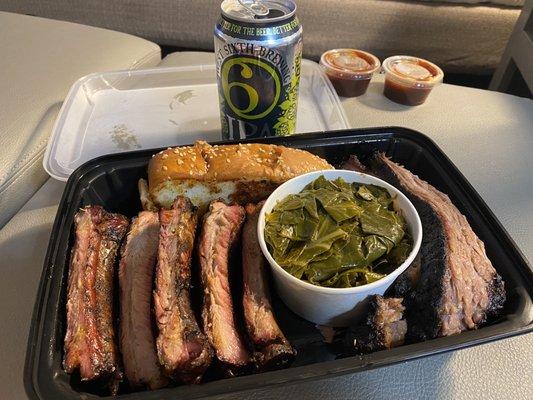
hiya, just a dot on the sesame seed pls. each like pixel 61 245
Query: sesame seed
pixel 190 173
pixel 164 156
pixel 179 161
pixel 164 168
pixel 176 151
pixel 227 160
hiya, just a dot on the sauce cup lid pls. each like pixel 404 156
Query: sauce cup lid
pixel 349 63
pixel 413 71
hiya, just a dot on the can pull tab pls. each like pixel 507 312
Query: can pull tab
pixel 255 7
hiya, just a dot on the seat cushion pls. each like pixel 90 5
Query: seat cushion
pixel 508 3
pixel 40 59
pixel 458 37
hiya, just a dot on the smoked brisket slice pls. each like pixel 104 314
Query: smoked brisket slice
pixel 182 348
pixel 220 231
pixel 271 348
pixel 384 327
pixel 457 287
pixel 136 272
pixel 90 343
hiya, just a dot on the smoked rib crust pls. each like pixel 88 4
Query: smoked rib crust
pixel 91 341
pixel 182 348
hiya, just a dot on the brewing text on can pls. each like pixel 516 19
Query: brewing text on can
pixel 258 60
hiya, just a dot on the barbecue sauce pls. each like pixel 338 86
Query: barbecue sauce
pixel 409 80
pixel 349 70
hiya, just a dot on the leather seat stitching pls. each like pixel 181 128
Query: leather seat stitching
pixel 21 172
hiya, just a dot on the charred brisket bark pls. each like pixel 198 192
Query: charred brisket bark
pixel 90 343
pixel 183 350
pixel 384 327
pixel 407 281
pixel 457 288
pixel 272 349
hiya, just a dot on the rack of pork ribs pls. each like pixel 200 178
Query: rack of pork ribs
pixel 160 336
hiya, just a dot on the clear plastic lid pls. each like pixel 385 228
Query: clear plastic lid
pixel 113 112
pixel 349 63
pixel 412 71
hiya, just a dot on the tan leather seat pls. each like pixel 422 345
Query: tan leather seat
pixel 39 61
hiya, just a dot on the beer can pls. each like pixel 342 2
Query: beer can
pixel 258 50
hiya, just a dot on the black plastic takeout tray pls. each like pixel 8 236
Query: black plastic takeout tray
pixel 111 181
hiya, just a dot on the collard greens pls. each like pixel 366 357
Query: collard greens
pixel 337 234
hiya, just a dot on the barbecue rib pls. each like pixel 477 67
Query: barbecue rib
pixel 90 338
pixel 220 230
pixel 384 327
pixel 457 287
pixel 183 350
pixel 272 349
pixel 137 343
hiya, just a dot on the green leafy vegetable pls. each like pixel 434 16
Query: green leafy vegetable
pixel 338 234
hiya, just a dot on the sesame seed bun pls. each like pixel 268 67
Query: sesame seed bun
pixel 241 173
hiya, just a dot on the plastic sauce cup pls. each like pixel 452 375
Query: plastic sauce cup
pixel 349 70
pixel 409 80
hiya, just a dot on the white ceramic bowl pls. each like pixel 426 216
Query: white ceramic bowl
pixel 334 306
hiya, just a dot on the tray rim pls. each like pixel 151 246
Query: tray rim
pixel 320 370
pixel 76 87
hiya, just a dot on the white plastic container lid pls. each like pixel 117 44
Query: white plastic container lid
pixel 120 111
